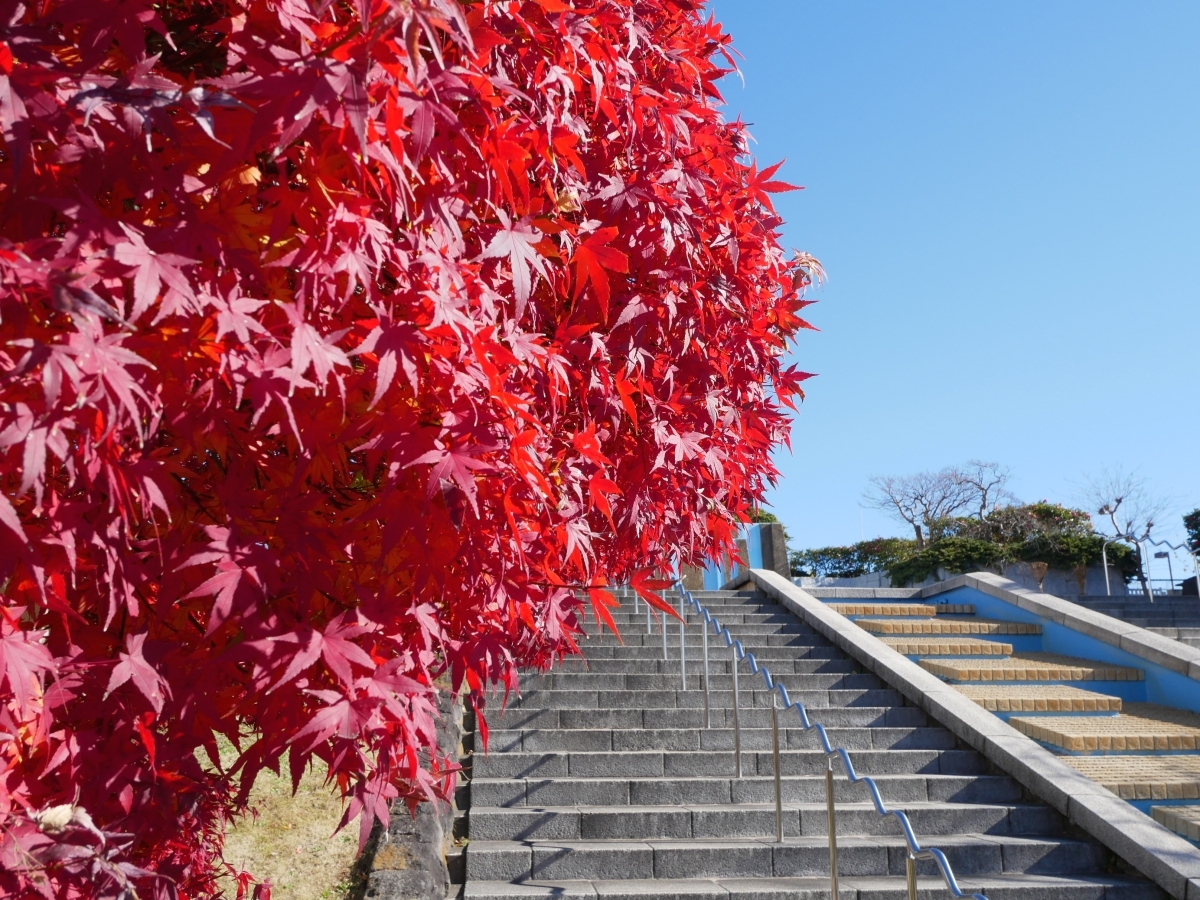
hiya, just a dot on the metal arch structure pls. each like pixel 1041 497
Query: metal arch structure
pixel 915 850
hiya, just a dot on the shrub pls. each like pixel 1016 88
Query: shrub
pixel 849 562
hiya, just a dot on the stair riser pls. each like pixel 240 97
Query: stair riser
pixel 646 700
pixel 831 717
pixel 855 858
pixel 666 792
pixel 622 740
pixel 815 887
pixel 517 824
pixel 692 764
pixel 749 641
pixel 695 628
pixel 766 618
pixel 817 650
pixel 718 665
pixel 574 681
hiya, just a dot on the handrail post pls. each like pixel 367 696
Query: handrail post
pixel 778 784
pixel 910 870
pixel 833 864
pixel 737 727
pixel 648 629
pixel 682 644
pixel 704 632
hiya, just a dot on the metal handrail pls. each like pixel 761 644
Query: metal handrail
pixel 915 850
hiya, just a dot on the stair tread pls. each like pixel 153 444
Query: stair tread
pixel 946 625
pixel 1183 820
pixel 1038 698
pixel 1031 667
pixel 948 645
pixel 1139 727
pixel 796 886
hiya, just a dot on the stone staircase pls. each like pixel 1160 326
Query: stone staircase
pixel 1176 617
pixel 1089 712
pixel 602 780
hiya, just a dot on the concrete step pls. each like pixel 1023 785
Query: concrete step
pixel 693 717
pixel 1143 777
pixel 1183 820
pixel 1006 886
pixel 792 651
pixel 659 859
pixel 745 820
pixel 715 739
pixel 920 645
pixel 1140 728
pixel 768 616
pixel 615 699
pixel 921 610
pixel 615 681
pixel 794 636
pixel 947 625
pixel 1029 667
pixel 655 791
pixel 636 626
pixel 653 764
pixel 1039 698
pixel 720 662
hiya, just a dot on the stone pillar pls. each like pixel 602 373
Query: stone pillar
pixel 774 549
pixel 693 578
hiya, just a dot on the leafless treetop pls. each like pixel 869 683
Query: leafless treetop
pixel 926 498
pixel 1125 501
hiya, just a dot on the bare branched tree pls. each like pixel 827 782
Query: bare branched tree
pixel 921 500
pixel 989 483
pixel 1130 508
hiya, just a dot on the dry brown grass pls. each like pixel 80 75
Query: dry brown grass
pixel 291 841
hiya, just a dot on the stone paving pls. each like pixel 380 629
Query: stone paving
pixel 1141 728
pixel 946 646
pixel 1040 698
pixel 1029 667
pixel 1143 777
pixel 902 609
pixel 1184 820
pixel 946 625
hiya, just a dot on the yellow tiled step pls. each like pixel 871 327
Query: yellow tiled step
pixel 1038 698
pixel 1030 667
pixel 947 626
pixel 1184 820
pixel 903 609
pixel 1143 777
pixel 1141 727
pixel 918 645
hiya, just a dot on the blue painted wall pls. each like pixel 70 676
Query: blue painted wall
pixel 715 575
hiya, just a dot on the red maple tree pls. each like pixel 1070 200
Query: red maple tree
pixel 340 341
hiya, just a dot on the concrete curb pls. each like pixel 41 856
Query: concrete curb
pixel 1158 853
pixel 1133 639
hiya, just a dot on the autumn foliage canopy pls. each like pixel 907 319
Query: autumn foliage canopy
pixel 338 343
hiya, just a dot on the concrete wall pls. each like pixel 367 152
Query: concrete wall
pixel 1059 582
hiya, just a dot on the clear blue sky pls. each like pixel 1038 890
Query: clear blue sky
pixel 1006 197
